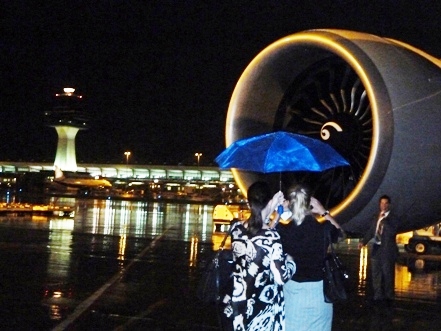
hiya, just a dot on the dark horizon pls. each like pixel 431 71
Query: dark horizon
pixel 157 77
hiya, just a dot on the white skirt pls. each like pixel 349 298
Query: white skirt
pixel 305 307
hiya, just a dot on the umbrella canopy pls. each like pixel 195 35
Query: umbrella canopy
pixel 280 151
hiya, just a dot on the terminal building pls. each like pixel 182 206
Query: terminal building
pixel 129 171
pixel 129 180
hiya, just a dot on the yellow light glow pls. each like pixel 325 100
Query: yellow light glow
pixel 193 251
pixel 57 294
pixel 69 90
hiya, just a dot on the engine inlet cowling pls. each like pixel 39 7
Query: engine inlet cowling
pixel 376 101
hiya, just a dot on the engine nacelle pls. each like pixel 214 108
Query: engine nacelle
pixel 377 101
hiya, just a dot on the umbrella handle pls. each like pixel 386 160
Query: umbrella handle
pixel 280 181
pixel 279 212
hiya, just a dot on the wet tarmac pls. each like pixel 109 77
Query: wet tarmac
pixel 177 308
pixel 101 272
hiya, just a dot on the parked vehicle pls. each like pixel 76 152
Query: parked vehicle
pixel 425 241
pixel 224 214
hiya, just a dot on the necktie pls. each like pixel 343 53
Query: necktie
pixel 379 228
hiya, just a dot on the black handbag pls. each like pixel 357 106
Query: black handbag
pixel 217 275
pixel 335 274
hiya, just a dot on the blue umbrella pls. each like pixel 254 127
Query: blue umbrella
pixel 280 151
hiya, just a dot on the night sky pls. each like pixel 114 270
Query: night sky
pixel 157 76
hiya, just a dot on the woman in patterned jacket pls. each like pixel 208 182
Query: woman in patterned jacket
pixel 261 267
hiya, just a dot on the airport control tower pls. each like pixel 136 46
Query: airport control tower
pixel 67 117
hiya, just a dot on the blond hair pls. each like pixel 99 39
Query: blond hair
pixel 299 203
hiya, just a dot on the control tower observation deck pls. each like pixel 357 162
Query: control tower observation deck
pixel 67 117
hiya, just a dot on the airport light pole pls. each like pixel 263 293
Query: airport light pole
pixel 198 156
pixel 127 154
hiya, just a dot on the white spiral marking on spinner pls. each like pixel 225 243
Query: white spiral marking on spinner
pixel 324 132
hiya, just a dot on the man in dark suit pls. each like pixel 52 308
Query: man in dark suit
pixel 384 251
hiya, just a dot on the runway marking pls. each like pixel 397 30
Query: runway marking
pixel 86 304
pixel 142 315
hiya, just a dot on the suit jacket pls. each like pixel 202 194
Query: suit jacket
pixel 388 247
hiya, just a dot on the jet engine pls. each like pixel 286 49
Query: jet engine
pixel 377 101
